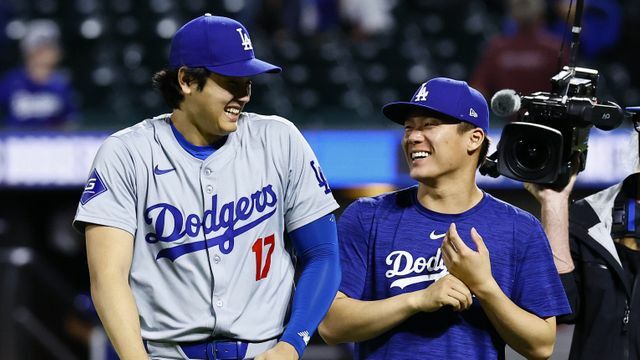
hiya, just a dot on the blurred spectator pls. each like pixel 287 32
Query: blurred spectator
pixel 36 94
pixel 367 17
pixel 284 18
pixel 319 16
pixel 524 61
pixel 601 25
pixel 277 18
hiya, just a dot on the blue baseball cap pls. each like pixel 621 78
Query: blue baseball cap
pixel 443 96
pixel 220 45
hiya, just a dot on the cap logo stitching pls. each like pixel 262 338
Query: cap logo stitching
pixel 244 37
pixel 473 113
pixel 422 93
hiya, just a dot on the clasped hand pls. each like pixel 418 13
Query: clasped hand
pixel 472 267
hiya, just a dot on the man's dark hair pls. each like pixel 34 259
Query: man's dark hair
pixel 463 127
pixel 166 81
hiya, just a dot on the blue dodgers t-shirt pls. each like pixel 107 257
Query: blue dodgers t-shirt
pixel 390 245
pixel 24 103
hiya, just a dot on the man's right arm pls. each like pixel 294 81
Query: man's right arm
pixel 109 255
pixel 351 320
pixel 554 216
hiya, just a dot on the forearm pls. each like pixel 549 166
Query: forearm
pixel 356 320
pixel 119 315
pixel 555 220
pixel 109 256
pixel 526 333
pixel 315 291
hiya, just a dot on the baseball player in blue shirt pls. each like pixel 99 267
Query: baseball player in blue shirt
pixel 443 270
pixel 184 216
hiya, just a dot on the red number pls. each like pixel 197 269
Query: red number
pixel 262 272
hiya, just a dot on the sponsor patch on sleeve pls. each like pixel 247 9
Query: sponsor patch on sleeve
pixel 95 186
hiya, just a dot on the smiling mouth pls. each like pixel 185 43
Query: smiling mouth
pixel 416 155
pixel 233 112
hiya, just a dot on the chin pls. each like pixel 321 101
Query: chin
pixel 230 127
pixel 421 174
pixel 417 175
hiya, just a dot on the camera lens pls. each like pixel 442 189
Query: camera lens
pixel 531 154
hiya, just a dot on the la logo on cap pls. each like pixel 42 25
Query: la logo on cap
pixel 422 93
pixel 246 42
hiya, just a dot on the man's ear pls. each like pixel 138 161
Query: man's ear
pixel 183 82
pixel 476 138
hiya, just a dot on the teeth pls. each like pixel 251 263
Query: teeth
pixel 419 155
pixel 232 111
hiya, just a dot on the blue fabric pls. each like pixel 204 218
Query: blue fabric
pixel 220 44
pixel 199 152
pixel 316 245
pixel 215 350
pixel 631 216
pixel 25 103
pixel 390 245
pixel 446 96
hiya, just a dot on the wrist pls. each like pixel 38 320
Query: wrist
pixel 486 289
pixel 292 346
pixel 412 300
pixel 555 201
pixel 290 350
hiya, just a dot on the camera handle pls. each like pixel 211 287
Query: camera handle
pixel 575 34
pixel 489 166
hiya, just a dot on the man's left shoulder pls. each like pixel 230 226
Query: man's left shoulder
pixel 507 211
pixel 266 122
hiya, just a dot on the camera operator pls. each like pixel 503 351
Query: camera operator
pixel 595 243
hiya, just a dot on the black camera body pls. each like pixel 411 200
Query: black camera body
pixel 549 141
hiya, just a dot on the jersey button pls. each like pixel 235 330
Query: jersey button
pixel 216 259
pixel 207 171
pixel 209 189
pixel 219 303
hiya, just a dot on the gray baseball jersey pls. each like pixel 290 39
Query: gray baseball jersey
pixel 214 223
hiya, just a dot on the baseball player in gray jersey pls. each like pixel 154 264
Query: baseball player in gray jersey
pixel 184 216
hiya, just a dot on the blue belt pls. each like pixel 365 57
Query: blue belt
pixel 215 349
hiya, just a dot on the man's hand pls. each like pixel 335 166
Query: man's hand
pixel 448 290
pixel 282 351
pixel 546 195
pixel 473 268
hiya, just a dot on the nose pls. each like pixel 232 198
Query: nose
pixel 243 93
pixel 415 136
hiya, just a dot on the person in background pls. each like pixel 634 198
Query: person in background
pixel 601 26
pixel 37 95
pixel 596 249
pixel 523 61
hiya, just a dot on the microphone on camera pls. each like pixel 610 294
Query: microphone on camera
pixel 505 102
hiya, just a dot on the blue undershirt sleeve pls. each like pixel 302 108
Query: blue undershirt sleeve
pixel 316 245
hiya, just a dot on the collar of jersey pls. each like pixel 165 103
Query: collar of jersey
pixel 447 217
pixel 199 152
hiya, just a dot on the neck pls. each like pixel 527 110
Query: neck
pixel 629 242
pixel 190 129
pixel 450 196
